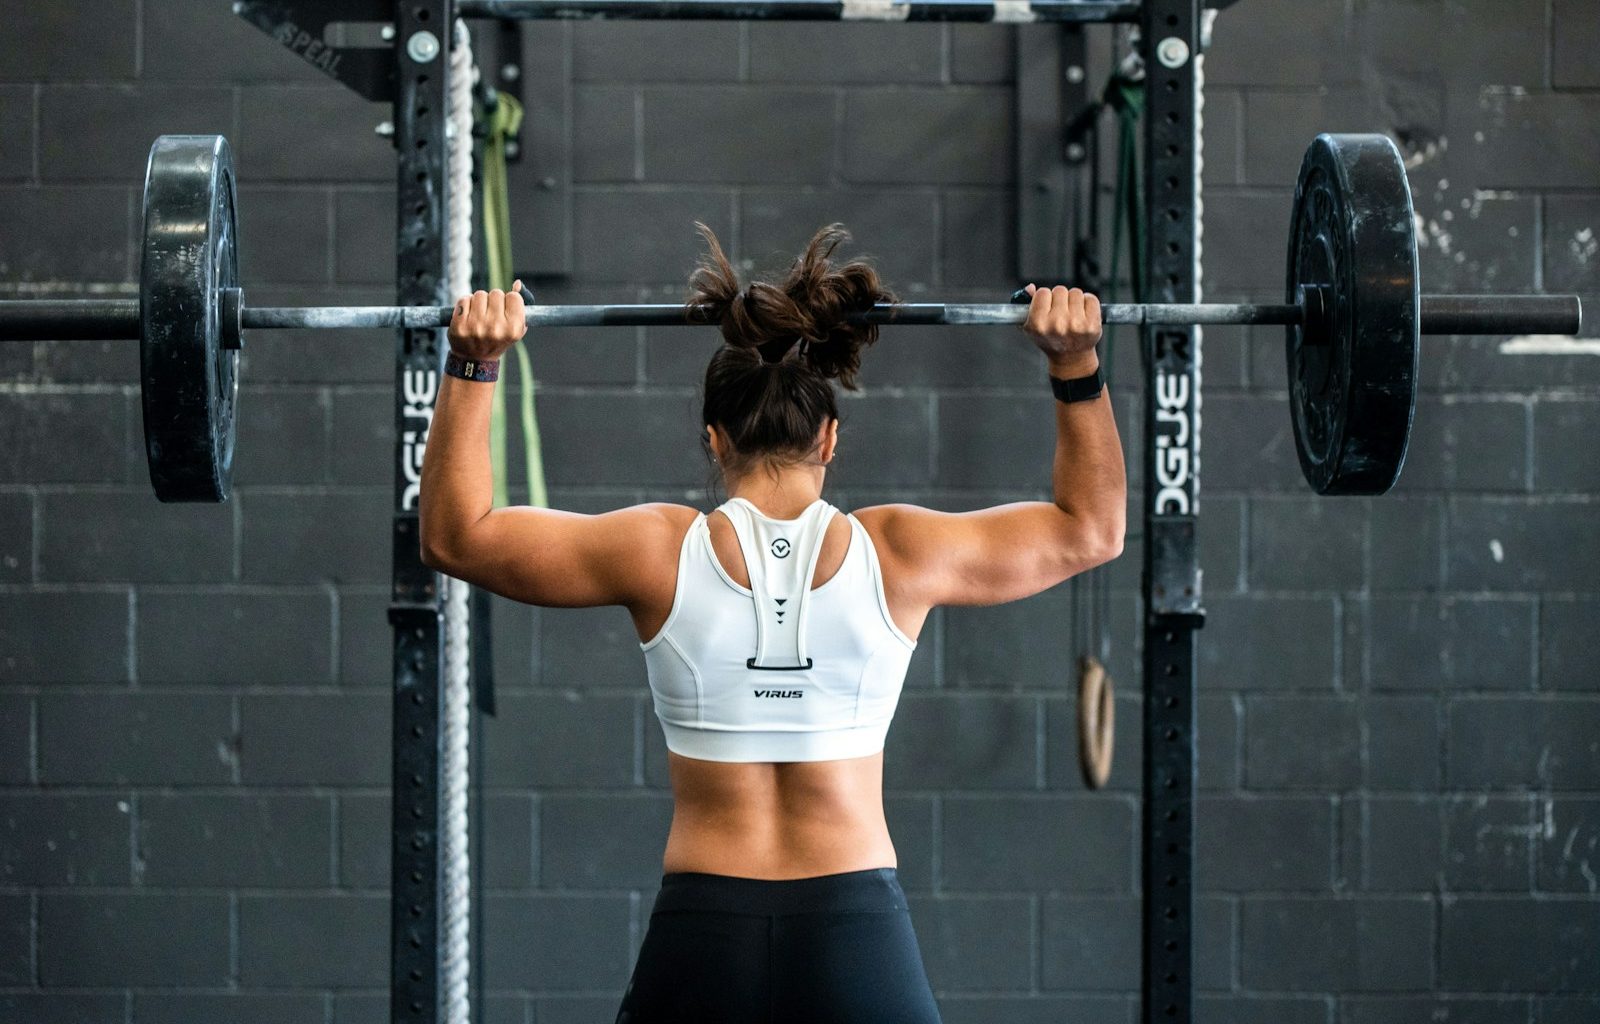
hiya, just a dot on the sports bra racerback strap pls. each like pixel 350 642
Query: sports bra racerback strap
pixel 781 557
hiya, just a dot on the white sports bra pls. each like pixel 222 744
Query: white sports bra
pixel 777 671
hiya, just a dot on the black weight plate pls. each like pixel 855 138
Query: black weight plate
pixel 189 379
pixel 1353 234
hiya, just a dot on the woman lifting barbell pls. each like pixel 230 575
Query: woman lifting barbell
pixel 776 631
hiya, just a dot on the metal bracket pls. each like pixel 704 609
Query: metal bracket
pixel 302 29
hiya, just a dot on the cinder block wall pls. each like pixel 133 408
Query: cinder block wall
pixel 1399 706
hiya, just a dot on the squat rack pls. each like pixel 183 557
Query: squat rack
pixel 413 74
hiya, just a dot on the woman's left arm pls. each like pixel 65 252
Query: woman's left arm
pixel 538 556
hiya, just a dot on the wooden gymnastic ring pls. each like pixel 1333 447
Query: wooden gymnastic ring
pixel 1096 722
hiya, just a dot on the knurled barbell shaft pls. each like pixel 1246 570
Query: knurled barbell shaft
pixel 31 319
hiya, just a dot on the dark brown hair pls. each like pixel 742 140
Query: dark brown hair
pixel 769 388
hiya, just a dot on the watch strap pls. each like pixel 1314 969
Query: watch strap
pixel 1079 389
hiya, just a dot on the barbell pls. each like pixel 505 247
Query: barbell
pixel 1353 318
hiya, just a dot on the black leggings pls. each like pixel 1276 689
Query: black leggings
pixel 833 949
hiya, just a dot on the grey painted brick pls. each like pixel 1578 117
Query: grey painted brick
pixel 1565 1009
pixel 1225 140
pixel 366 640
pixel 129 536
pixel 363 436
pixel 16 123
pixel 955 358
pixel 304 739
pixel 365 836
pixel 589 647
pixel 53 840
pixel 283 436
pixel 1567 659
pixel 680 356
pixel 272 143
pixel 16 939
pixel 556 942
pixel 607 147
pixel 560 739
pixel 1236 222
pixel 317 357
pixel 883 442
pixel 1540 946
pixel 284 234
pixel 1508 141
pixel 574 1009
pixel 1575 39
pixel 975 943
pixel 659 226
pixel 103 132
pixel 619 439
pixel 1467 446
pixel 1276 643
pixel 138 739
pixel 1477 241
pixel 978 244
pixel 234 1007
pixel 343 537
pixel 1283 122
pixel 1253 1009
pixel 117 939
pixel 59 48
pixel 856 52
pixel 717 134
pixel 1090 943
pixel 16 739
pixel 1401 843
pixel 336 940
pixel 602 842
pixel 1560 459
pixel 607 355
pixel 656 51
pixel 895 230
pixel 360 1007
pixel 88 227
pixel 1425 643
pixel 56 1007
pixel 1571 241
pixel 221 637
pixel 1302 742
pixel 92 362
pixel 910 821
pixel 363 235
pixel 1515 742
pixel 1362 1009
pixel 1248 445
pixel 1078 844
pixel 1032 1009
pixel 276 841
pixel 1406 543
pixel 1403 738
pixel 97 424
pixel 995 441
pixel 1568 845
pixel 982 54
pixel 1005 646
pixel 1253 50
pixel 16 537
pixel 518 653
pixel 1303 543
pixel 984 742
pixel 84 634
pixel 1474 40
pixel 1495 545
pixel 198 41
pixel 1216 932
pixel 939 136
pixel 1477 364
pixel 1244 843
pixel 1368 944
pixel 1488 843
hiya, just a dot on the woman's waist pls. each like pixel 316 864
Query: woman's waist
pixel 864 890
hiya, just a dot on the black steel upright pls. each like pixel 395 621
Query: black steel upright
pixel 1170 31
pixel 422 62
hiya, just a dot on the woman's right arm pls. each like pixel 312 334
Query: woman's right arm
pixel 1009 552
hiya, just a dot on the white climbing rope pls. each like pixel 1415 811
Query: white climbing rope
pixel 457 710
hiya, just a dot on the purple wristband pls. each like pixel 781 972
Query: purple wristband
pixel 483 371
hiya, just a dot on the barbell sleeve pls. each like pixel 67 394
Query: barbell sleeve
pixel 1502 314
pixel 68 319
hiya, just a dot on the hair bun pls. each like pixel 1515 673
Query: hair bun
pixel 812 303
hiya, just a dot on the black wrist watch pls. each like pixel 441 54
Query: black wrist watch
pixel 1079 389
